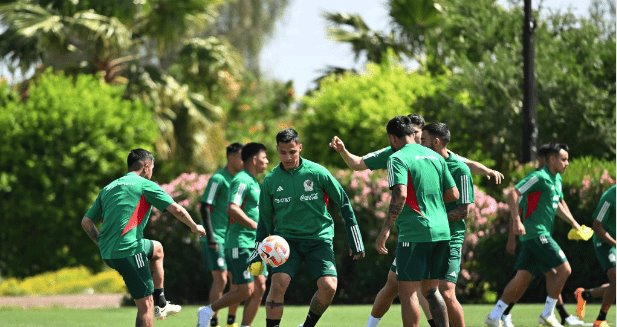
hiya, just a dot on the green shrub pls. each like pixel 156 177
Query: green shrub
pixel 58 147
pixel 77 280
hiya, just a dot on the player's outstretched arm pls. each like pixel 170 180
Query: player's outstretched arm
pixel 181 214
pixel 353 161
pixel 516 223
pixel 204 209
pixel 477 168
pixel 564 213
pixel 599 230
pixel 90 228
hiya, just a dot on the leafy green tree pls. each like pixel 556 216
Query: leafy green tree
pixel 63 142
pixel 357 108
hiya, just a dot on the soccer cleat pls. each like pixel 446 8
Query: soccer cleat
pixel 600 323
pixel 493 323
pixel 580 302
pixel 506 320
pixel 204 314
pixel 235 324
pixel 573 321
pixel 167 310
pixel 550 321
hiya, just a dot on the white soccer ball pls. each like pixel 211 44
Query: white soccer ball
pixel 274 250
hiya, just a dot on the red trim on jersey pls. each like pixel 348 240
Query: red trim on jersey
pixel 412 200
pixel 326 199
pixel 532 203
pixel 138 215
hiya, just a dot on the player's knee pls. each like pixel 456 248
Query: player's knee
pixel 449 295
pixel 245 291
pixel 157 250
pixel 327 285
pixel 278 287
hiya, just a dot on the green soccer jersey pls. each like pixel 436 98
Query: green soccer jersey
pixel 243 191
pixel 124 206
pixel 540 195
pixel 379 159
pixel 426 175
pixel 605 213
pixel 464 183
pixel 293 204
pixel 216 195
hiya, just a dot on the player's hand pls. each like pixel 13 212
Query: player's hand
pixel 380 243
pixel 198 229
pixel 356 256
pixel 511 245
pixel 495 175
pixel 520 229
pixel 256 268
pixel 337 144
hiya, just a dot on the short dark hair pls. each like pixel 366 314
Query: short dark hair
pixel 400 126
pixel 553 148
pixel 417 119
pixel 234 148
pixel 287 135
pixel 439 130
pixel 251 149
pixel 543 150
pixel 137 157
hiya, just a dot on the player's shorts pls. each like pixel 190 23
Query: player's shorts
pixel 393 266
pixel 238 264
pixel 454 262
pixel 539 255
pixel 135 270
pixel 213 260
pixel 421 260
pixel 605 254
pixel 318 254
pixel 148 247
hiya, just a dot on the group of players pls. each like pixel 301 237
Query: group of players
pixel 432 189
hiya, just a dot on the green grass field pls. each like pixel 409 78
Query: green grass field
pixel 338 315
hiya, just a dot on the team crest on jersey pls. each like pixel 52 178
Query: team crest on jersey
pixel 308 185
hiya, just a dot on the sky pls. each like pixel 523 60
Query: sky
pixel 300 49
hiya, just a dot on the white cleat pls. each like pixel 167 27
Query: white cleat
pixel 204 314
pixel 506 320
pixel 168 310
pixel 550 321
pixel 492 323
pixel 574 321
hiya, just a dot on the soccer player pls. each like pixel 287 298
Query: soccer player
pixel 604 245
pixel 293 205
pixel 377 160
pixel 540 194
pixel 244 213
pixel 566 318
pixel 420 183
pixel 125 205
pixel 436 137
pixel 213 209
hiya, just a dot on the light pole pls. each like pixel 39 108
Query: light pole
pixel 530 129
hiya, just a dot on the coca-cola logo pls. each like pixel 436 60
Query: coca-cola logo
pixel 309 197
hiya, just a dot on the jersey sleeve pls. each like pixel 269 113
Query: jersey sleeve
pixel 603 209
pixel 338 196
pixel 397 172
pixel 265 226
pixel 377 159
pixel 464 183
pixel 237 192
pixel 211 190
pixel 447 181
pixel 459 157
pixel 96 209
pixel 528 184
pixel 155 195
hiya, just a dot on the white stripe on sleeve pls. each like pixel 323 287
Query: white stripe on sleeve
pixel 525 187
pixel 355 233
pixel 238 196
pixel 210 199
pixel 603 211
pixel 390 174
